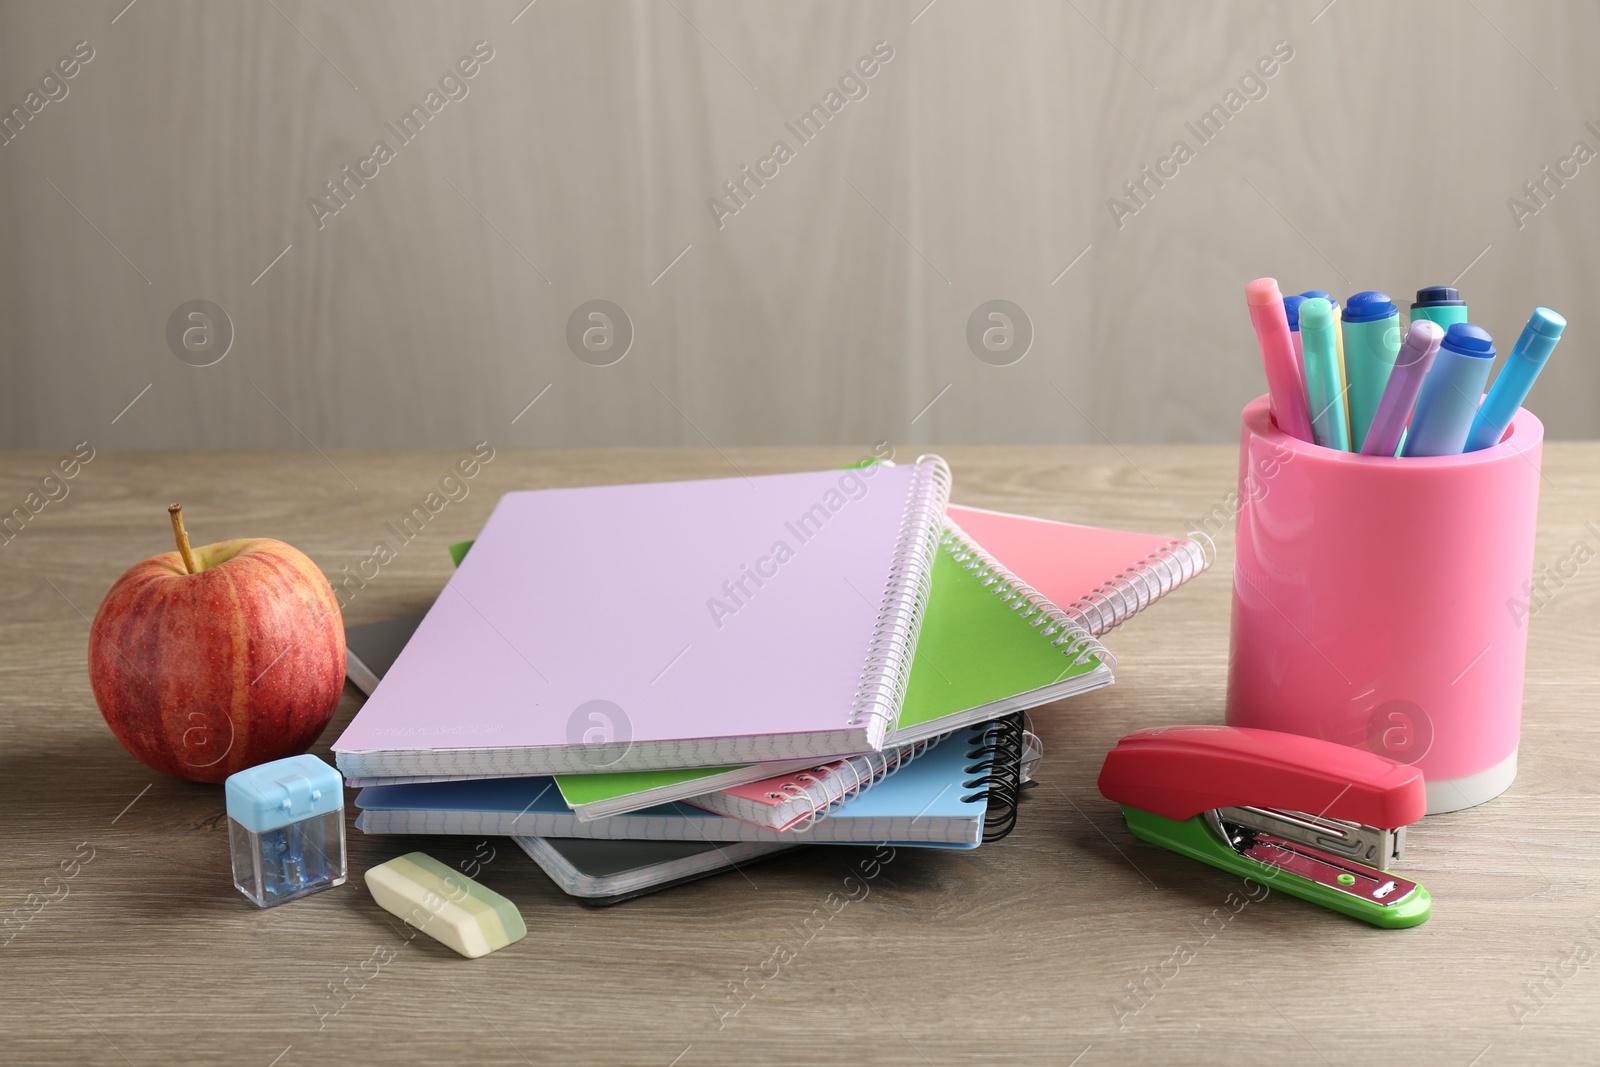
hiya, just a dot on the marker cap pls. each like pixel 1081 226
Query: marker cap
pixel 1544 322
pixel 1433 296
pixel 1263 292
pixel 1421 341
pixel 1369 306
pixel 1291 308
pixel 1469 340
pixel 1316 313
pixel 1312 294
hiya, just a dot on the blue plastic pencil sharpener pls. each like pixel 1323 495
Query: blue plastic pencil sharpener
pixel 286 829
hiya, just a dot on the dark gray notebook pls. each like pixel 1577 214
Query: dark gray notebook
pixel 609 872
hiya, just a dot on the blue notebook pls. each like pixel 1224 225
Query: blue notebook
pixel 940 801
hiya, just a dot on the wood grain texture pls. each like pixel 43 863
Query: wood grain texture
pixel 1019 952
pixel 833 307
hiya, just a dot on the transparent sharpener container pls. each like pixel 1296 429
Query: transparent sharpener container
pixel 286 829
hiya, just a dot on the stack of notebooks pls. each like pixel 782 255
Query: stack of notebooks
pixel 645 684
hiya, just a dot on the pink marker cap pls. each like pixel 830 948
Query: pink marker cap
pixel 1263 291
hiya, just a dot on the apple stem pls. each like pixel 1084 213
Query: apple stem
pixel 176 511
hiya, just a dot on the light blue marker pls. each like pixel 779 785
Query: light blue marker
pixel 1450 393
pixel 1511 386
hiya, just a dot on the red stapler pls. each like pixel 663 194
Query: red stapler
pixel 1314 819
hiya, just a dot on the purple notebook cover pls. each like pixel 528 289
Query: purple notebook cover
pixel 674 624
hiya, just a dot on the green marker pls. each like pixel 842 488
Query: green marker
pixel 1319 332
pixel 1371 327
pixel 1441 304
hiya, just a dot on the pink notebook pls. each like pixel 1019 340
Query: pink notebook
pixel 794 801
pixel 1102 576
pixel 674 624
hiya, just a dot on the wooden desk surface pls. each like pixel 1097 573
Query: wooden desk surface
pixel 1025 951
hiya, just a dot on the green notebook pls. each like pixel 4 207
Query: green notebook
pixel 989 646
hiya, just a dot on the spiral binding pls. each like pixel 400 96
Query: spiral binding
pixel 905 596
pixel 997 751
pixel 796 787
pixel 1143 583
pixel 1067 632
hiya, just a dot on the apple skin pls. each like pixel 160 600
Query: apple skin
pixel 201 675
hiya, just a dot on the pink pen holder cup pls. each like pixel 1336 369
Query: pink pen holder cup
pixel 1383 603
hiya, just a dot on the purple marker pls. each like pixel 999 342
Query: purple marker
pixel 1411 365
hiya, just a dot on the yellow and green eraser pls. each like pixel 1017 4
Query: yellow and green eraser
pixel 445 904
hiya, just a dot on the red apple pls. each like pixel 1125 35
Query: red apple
pixel 207 661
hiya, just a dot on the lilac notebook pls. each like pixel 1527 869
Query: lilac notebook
pixel 674 624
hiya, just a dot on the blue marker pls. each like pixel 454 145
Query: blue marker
pixel 1291 311
pixel 1450 393
pixel 1511 386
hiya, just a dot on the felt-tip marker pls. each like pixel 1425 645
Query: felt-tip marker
pixel 1411 366
pixel 1324 387
pixel 1450 393
pixel 1511 385
pixel 1371 327
pixel 1338 344
pixel 1291 311
pixel 1441 304
pixel 1285 383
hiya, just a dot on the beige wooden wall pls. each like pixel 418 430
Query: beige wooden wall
pixel 833 306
